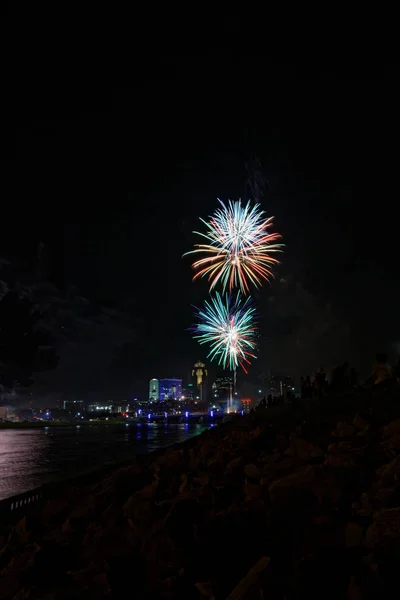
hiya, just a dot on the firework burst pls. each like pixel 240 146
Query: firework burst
pixel 227 324
pixel 239 250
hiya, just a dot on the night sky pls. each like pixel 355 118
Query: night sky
pixel 113 183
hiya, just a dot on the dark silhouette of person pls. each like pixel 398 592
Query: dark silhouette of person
pixel 321 382
pixel 381 368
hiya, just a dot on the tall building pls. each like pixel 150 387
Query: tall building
pixel 154 390
pixel 170 388
pixel 280 385
pixel 200 372
pixel 222 390
pixel 73 405
pixel 190 392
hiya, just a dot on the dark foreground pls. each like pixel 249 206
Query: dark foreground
pixel 316 489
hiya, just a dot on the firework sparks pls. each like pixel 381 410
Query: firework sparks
pixel 227 324
pixel 240 250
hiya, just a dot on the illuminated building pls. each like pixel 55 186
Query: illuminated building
pixel 280 385
pixel 99 408
pixel 222 390
pixel 246 405
pixel 190 392
pixel 73 406
pixel 120 407
pixel 154 390
pixel 170 388
pixel 200 372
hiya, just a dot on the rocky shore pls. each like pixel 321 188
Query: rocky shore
pixel 312 490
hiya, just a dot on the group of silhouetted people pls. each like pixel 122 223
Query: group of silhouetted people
pixel 317 385
pixel 344 378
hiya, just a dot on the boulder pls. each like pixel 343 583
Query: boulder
pixel 343 429
pixel 303 450
pixel 384 529
pixel 9 586
pixel 359 422
pixel 353 535
pixel 234 465
pixel 282 488
pixel 389 474
pixel 392 429
pixel 251 471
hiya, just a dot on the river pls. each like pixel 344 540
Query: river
pixel 31 457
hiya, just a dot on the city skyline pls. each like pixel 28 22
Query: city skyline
pixel 113 223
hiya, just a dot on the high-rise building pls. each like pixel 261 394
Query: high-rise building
pixel 73 405
pixel 200 372
pixel 154 390
pixel 222 390
pixel 170 388
pixel 280 385
pixel 190 392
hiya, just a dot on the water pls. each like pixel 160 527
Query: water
pixel 31 457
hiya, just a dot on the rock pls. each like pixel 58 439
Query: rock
pixel 25 594
pixel 281 488
pixel 56 509
pixel 364 431
pixel 140 511
pixel 234 464
pixel 354 591
pixel 365 509
pixel 80 512
pixel 353 535
pixel 281 444
pixel 390 473
pixel 252 471
pixel 252 491
pixel 302 449
pixel 18 535
pixel 183 486
pixel 359 422
pixel 92 575
pixel 205 590
pixel 392 429
pixel 384 496
pixel 343 429
pixel 339 460
pixel 386 527
pixel 342 454
pixel 66 527
pixel 9 585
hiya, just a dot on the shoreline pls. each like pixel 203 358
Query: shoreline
pixel 299 499
pixel 94 473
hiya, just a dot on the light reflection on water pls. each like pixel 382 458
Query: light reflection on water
pixel 31 457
